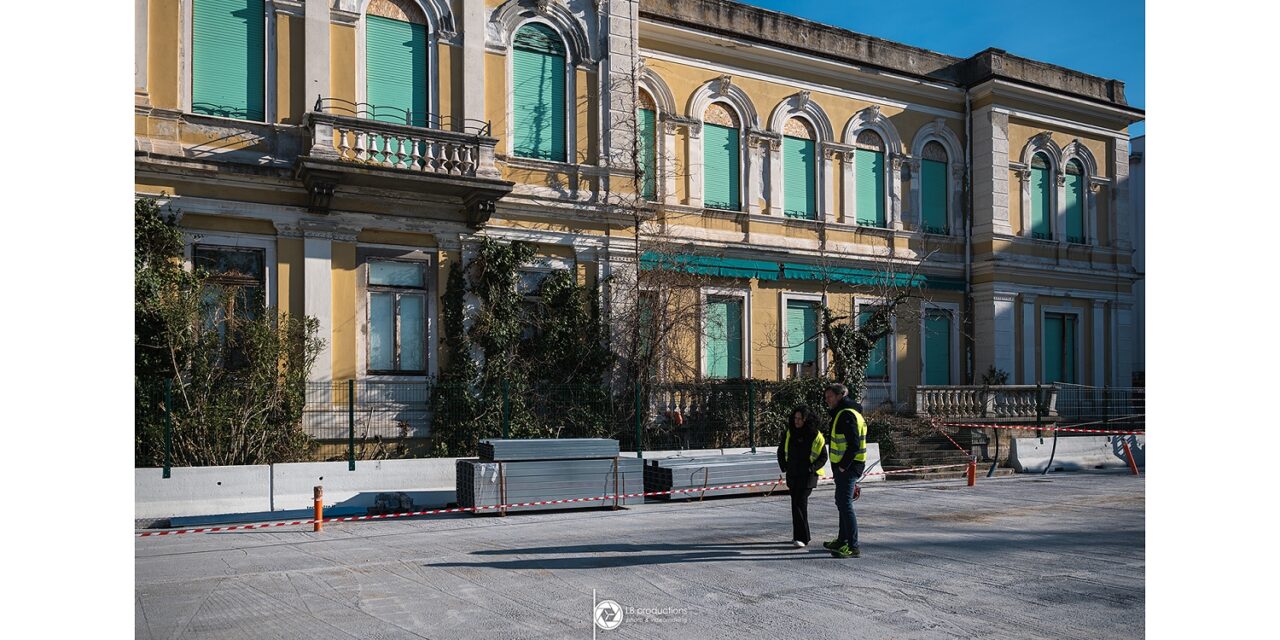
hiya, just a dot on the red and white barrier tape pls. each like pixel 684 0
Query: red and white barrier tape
pixel 432 512
pixel 936 426
pixel 1113 432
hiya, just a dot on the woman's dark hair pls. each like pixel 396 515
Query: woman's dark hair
pixel 811 423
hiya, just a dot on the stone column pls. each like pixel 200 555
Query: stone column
pixel 1024 195
pixel 473 32
pixel 848 190
pixel 990 147
pixel 1030 375
pixel 775 178
pixel 667 163
pixel 915 210
pixel 1124 343
pixel 895 191
pixel 316 52
pixel 317 252
pixel 826 194
pixel 695 164
pixel 1099 343
pixel 1119 214
pixel 994 330
pixel 617 87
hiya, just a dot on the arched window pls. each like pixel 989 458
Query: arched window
pixel 799 170
pixel 538 94
pixel 1074 181
pixel 1041 203
pixel 721 158
pixel 396 73
pixel 647 146
pixel 933 189
pixel 868 169
pixel 228 59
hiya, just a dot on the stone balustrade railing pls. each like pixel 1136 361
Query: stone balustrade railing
pixel 1004 402
pixel 399 146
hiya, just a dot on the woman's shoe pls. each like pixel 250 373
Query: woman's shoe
pixel 797 544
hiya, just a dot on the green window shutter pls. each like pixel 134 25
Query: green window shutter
pixel 1075 208
pixel 802 329
pixel 933 196
pixel 1040 203
pixel 647 122
pixel 937 348
pixel 878 360
pixel 228 59
pixel 720 158
pixel 868 168
pixel 396 70
pixel 724 338
pixel 1059 348
pixel 799 178
pixel 538 94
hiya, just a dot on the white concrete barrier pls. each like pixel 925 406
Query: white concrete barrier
pixel 192 491
pixel 1030 455
pixel 873 456
pixel 429 481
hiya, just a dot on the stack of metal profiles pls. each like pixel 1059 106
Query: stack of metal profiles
pixel 547 449
pixel 668 474
pixel 515 477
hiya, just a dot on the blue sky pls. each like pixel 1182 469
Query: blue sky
pixel 1103 38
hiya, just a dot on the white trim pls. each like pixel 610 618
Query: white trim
pixel 664 136
pixel 429 257
pixel 785 297
pixel 185 60
pixel 570 93
pixel 1079 355
pixel 192 237
pixel 1043 145
pixel 871 118
pixel 953 309
pixel 433 57
pixel 744 293
pixel 938 131
pixel 801 106
pixel 744 153
pixel 889 384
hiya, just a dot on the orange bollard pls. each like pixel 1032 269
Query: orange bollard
pixel 1128 454
pixel 319 524
pixel 973 472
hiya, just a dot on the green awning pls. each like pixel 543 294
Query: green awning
pixel 850 275
pixel 765 270
pixel 711 266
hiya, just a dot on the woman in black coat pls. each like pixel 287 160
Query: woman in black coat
pixel 800 463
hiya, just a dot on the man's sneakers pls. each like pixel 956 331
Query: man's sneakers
pixel 798 544
pixel 846 551
pixel 831 545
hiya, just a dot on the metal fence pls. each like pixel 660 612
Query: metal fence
pixel 1102 407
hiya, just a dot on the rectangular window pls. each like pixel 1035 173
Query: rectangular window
pixel 647 121
pixel 937 347
pixel 721 157
pixel 933 196
pixel 233 290
pixel 538 98
pixel 724 337
pixel 1075 208
pixel 397 317
pixel 1059 348
pixel 228 59
pixel 802 339
pixel 868 169
pixel 878 361
pixel 396 70
pixel 799 182
pixel 1040 203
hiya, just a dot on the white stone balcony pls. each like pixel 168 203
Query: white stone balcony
pixel 1002 403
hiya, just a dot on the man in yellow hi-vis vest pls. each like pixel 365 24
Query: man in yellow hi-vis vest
pixel 848 454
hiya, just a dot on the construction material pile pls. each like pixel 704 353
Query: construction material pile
pixel 667 474
pixel 546 471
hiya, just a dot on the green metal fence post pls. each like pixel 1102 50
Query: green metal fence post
pixel 751 413
pixel 639 444
pixel 168 425
pixel 506 408
pixel 351 425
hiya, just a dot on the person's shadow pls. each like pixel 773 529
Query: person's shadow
pixel 588 556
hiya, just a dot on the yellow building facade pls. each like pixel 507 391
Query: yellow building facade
pixel 792 158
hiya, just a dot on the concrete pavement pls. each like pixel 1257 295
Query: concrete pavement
pixel 1021 557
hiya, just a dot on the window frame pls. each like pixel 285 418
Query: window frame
pixel 785 299
pixel 743 205
pixel 1064 310
pixel 366 253
pixel 888 383
pixel 949 184
pixel 953 309
pixel 432 63
pixel 370 290
pixel 571 64
pixel 186 52
pixel 742 293
pixel 1051 189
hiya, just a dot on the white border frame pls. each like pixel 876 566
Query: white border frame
pixel 889 384
pixel 431 261
pixel 433 59
pixel 1065 310
pixel 785 298
pixel 270 268
pixel 744 293
pixel 952 308
pixel 186 58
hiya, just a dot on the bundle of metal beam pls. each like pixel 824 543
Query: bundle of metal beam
pixel 547 449
pixel 485 484
pixel 673 474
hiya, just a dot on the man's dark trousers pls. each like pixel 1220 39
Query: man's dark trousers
pixel 844 504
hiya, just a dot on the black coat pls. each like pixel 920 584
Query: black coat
pixel 799 471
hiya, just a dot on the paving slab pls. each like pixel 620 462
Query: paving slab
pixel 1060 556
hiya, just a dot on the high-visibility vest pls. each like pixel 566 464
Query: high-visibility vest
pixel 838 443
pixel 814 451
